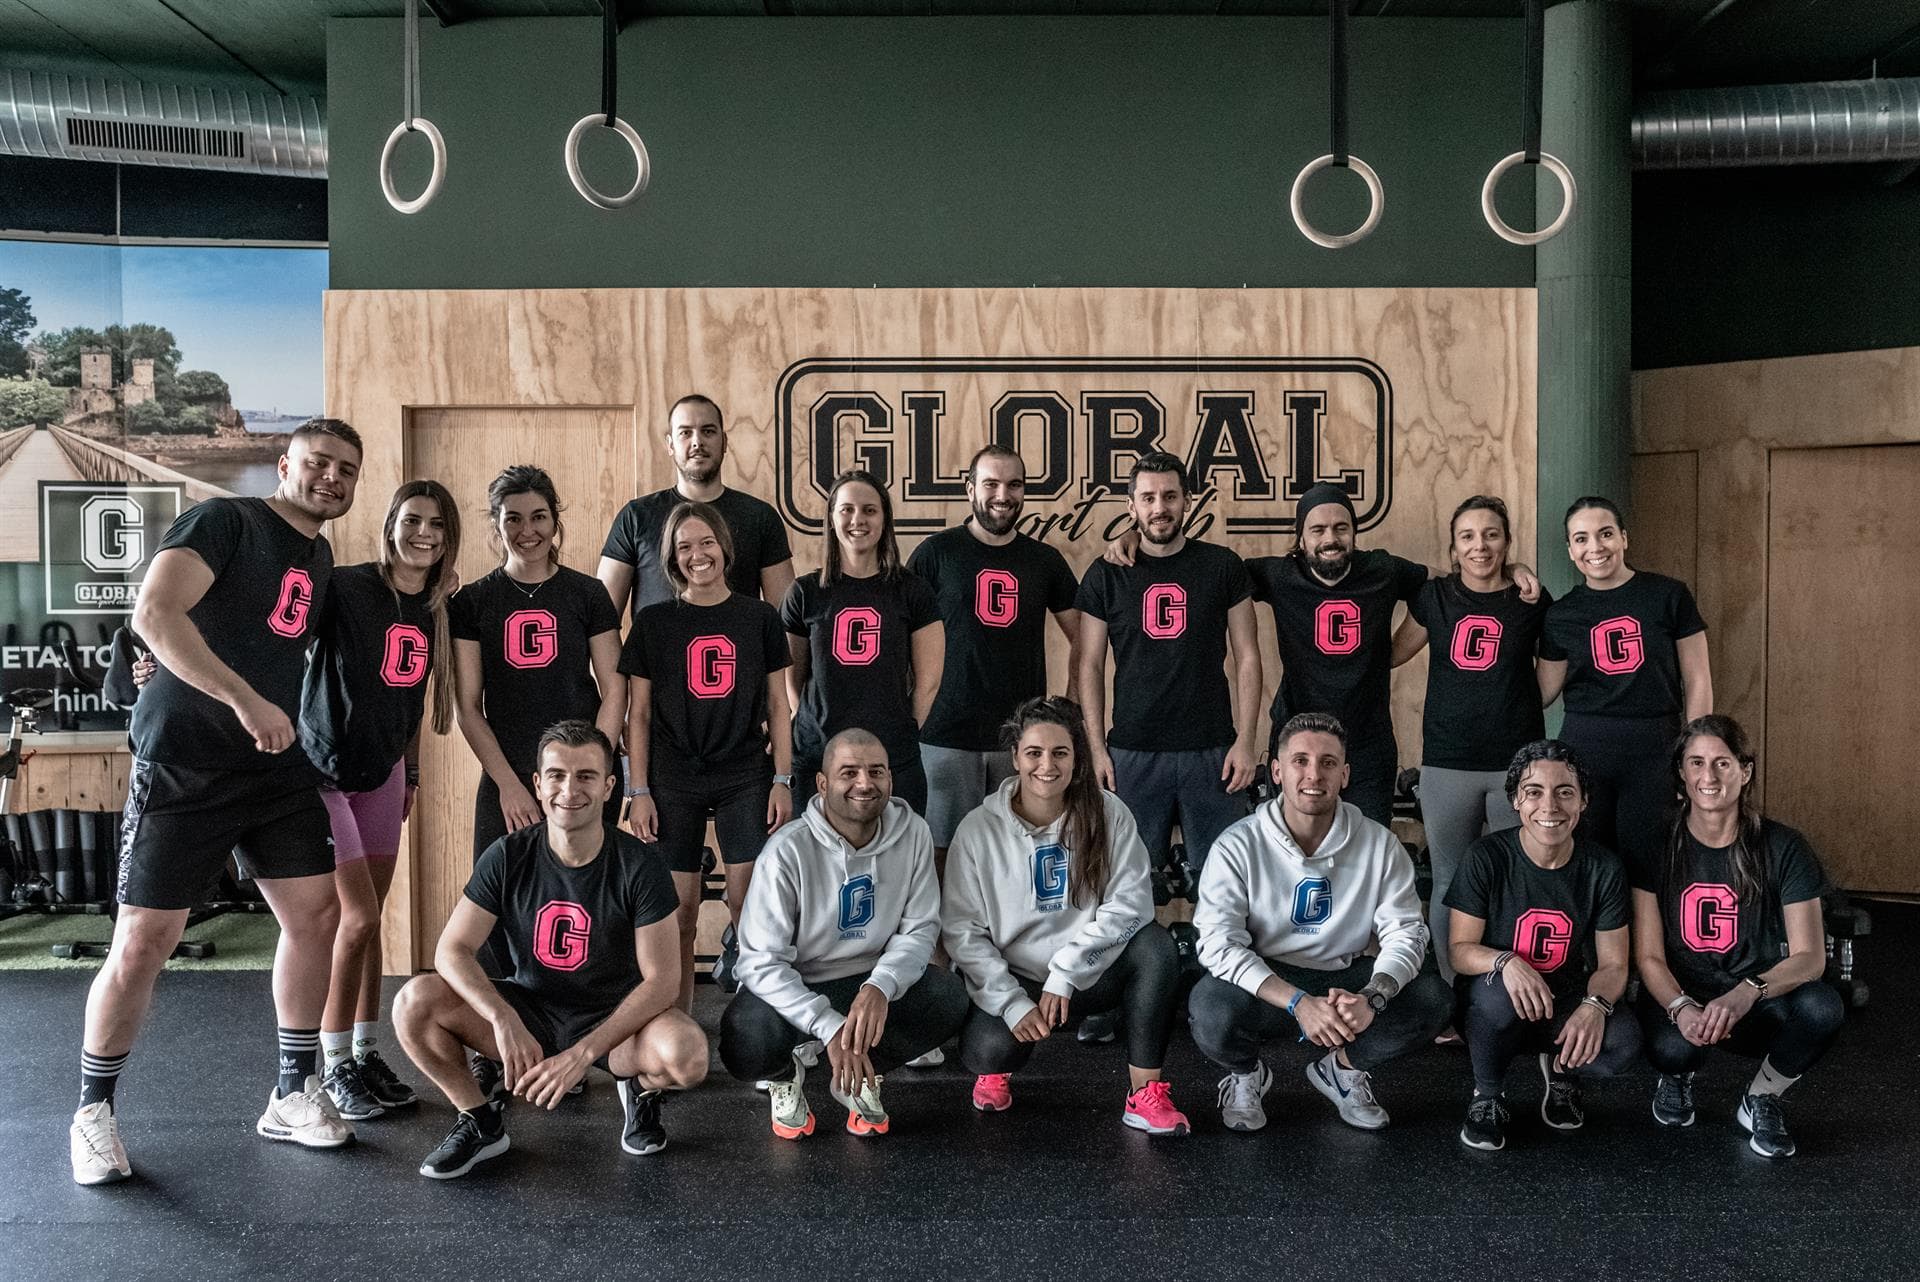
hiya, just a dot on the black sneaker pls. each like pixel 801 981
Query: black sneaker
pixel 1486 1124
pixel 491 1076
pixel 466 1146
pixel 643 1133
pixel 726 967
pixel 1560 1106
pixel 351 1097
pixel 1099 1028
pixel 386 1087
pixel 1673 1099
pixel 1162 888
pixel 1763 1116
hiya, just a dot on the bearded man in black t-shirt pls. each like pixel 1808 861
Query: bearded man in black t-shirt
pixel 227 606
pixel 588 915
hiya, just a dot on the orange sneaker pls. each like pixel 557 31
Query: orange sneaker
pixel 1151 1109
pixel 787 1101
pixel 993 1092
pixel 866 1115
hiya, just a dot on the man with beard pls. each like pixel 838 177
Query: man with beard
pixel 839 924
pixel 1182 744
pixel 995 588
pixel 227 607
pixel 630 562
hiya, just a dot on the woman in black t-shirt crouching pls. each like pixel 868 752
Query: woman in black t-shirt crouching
pixel 708 731
pixel 1729 940
pixel 867 642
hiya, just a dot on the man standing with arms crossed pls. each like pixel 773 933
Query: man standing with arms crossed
pixel 227 607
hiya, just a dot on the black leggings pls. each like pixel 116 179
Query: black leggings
pixel 909 783
pixel 756 1041
pixel 739 810
pixel 1230 1024
pixel 1629 765
pixel 1791 1031
pixel 1142 982
pixel 1495 1034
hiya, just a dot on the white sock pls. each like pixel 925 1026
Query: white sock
pixel 1769 1080
pixel 337 1047
pixel 366 1038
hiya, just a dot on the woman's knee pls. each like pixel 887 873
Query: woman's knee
pixel 1817 1007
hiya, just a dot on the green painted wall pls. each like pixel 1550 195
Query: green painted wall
pixel 943 151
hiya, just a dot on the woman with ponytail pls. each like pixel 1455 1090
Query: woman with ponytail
pixel 1047 913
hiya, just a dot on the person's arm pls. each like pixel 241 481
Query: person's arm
pixel 1531 996
pixel 1398 924
pixel 1696 675
pixel 1552 675
pixel 1613 951
pixel 656 946
pixel 617 577
pixel 1127 905
pixel 516 802
pixel 800 651
pixel 1243 639
pixel 174 584
pixel 780 733
pixel 1806 960
pixel 969 938
pixel 603 649
pixel 1068 622
pixel 1220 916
pixel 1092 681
pixel 1409 639
pixel 929 658
pixel 643 820
pixel 1650 961
pixel 456 960
pixel 1123 547
pixel 904 960
pixel 1580 1038
pixel 775 579
pixel 769 928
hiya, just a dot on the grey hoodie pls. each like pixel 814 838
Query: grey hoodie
pixel 817 909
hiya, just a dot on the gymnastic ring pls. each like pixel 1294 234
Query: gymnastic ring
pixel 579 180
pixel 1553 165
pixel 434 183
pixel 1375 193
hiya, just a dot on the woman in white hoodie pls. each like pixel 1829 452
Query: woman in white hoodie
pixel 1047 913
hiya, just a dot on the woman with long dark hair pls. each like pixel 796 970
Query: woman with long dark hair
pixel 534 642
pixel 1047 913
pixel 708 731
pixel 1628 650
pixel 1483 694
pixel 866 640
pixel 1729 940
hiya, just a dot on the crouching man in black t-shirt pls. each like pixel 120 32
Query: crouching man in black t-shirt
pixel 588 916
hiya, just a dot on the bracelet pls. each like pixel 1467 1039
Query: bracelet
pixel 1298 993
pixel 1679 1004
pixel 785 781
pixel 641 791
pixel 413 775
pixel 1498 964
pixel 1598 1002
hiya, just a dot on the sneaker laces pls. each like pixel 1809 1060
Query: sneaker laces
pixel 1563 1089
pixel 1766 1113
pixel 316 1099
pixel 1675 1090
pixel 1487 1108
pixel 1239 1090
pixel 374 1069
pixel 1154 1093
pixel 100 1135
pixel 1362 1088
pixel 465 1127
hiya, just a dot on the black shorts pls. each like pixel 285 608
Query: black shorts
pixel 180 823
pixel 554 1030
pixel 739 811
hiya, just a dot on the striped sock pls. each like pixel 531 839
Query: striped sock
pixel 99 1075
pixel 299 1051
pixel 366 1038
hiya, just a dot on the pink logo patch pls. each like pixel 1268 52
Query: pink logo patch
pixel 996 598
pixel 404 661
pixel 1617 648
pixel 560 936
pixel 1336 627
pixel 1163 611
pixel 1544 936
pixel 856 636
pixel 1476 643
pixel 533 638
pixel 1710 917
pixel 710 664
pixel 289 617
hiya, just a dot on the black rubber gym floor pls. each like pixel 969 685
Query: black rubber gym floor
pixel 1054 1188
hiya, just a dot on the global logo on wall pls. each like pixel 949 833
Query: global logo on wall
pixel 97 539
pixel 1254 433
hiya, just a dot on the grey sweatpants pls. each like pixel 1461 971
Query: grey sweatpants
pixel 1454 805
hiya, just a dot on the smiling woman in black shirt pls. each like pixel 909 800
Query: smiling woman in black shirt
pixel 867 642
pixel 1729 940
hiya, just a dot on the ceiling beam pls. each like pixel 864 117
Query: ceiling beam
pixel 451 13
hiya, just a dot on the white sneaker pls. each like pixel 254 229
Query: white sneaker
pixel 866 1115
pixel 94 1139
pixel 932 1059
pixel 308 1119
pixel 1350 1090
pixel 1240 1098
pixel 808 1053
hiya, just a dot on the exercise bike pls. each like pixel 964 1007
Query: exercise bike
pixel 21 888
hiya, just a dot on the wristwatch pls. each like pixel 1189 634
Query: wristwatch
pixel 1759 985
pixel 1377 1001
pixel 787 780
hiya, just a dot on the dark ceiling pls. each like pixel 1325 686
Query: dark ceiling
pixel 282 43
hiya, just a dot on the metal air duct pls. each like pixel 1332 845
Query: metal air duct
pixel 1845 121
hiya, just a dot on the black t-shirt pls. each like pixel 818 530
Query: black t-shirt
pixel 1336 643
pixel 1548 917
pixel 708 665
pixel 994 602
pixel 536 665
pixel 1167 623
pixel 1619 645
pixel 759 540
pixel 1714 939
pixel 1483 698
pixel 269 588
pixel 366 687
pixel 860 637
pixel 569 931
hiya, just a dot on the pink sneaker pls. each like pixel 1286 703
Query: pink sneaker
pixel 1151 1109
pixel 993 1092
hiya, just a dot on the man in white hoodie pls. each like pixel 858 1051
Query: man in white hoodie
pixel 1289 902
pixel 835 936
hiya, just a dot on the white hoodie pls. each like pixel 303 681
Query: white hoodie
pixel 1005 909
pixel 817 909
pixel 1262 897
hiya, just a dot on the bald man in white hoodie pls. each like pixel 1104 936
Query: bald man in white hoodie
pixel 1291 898
pixel 835 937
